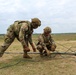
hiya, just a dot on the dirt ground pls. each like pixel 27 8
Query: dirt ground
pixel 52 65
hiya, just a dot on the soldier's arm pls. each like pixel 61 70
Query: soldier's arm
pixel 53 45
pixel 51 41
pixel 30 38
pixel 23 29
pixel 31 43
pixel 41 40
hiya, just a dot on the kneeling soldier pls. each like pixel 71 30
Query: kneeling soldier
pixel 45 42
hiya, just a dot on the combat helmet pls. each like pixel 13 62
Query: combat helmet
pixel 36 22
pixel 47 30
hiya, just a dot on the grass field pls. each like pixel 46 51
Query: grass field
pixel 14 64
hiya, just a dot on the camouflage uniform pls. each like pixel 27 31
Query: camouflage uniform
pixel 45 42
pixel 22 30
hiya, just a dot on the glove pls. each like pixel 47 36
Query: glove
pixel 34 49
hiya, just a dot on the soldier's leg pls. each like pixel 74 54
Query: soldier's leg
pixel 46 53
pixel 40 49
pixel 25 55
pixel 53 47
pixel 9 38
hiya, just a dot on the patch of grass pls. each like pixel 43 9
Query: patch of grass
pixel 38 66
pixel 14 64
pixel 64 37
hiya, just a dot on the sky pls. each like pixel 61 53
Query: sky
pixel 60 15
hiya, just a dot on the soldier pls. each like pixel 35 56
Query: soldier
pixel 45 42
pixel 22 30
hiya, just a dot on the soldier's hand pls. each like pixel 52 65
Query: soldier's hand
pixel 48 52
pixel 34 49
pixel 27 49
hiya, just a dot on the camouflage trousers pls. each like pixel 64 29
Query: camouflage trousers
pixel 9 38
pixel 42 50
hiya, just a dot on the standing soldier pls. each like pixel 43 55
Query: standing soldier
pixel 22 30
pixel 45 42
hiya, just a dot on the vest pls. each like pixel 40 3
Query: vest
pixel 46 39
pixel 18 24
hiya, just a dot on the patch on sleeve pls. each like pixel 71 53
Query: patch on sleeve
pixel 24 27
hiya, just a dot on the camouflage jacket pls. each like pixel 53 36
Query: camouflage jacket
pixel 45 40
pixel 22 30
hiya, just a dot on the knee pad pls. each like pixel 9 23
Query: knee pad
pixel 39 47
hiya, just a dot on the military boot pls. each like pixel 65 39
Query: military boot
pixel 25 55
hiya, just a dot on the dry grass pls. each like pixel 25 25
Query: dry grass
pixel 14 64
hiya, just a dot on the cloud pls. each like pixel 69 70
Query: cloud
pixel 54 13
